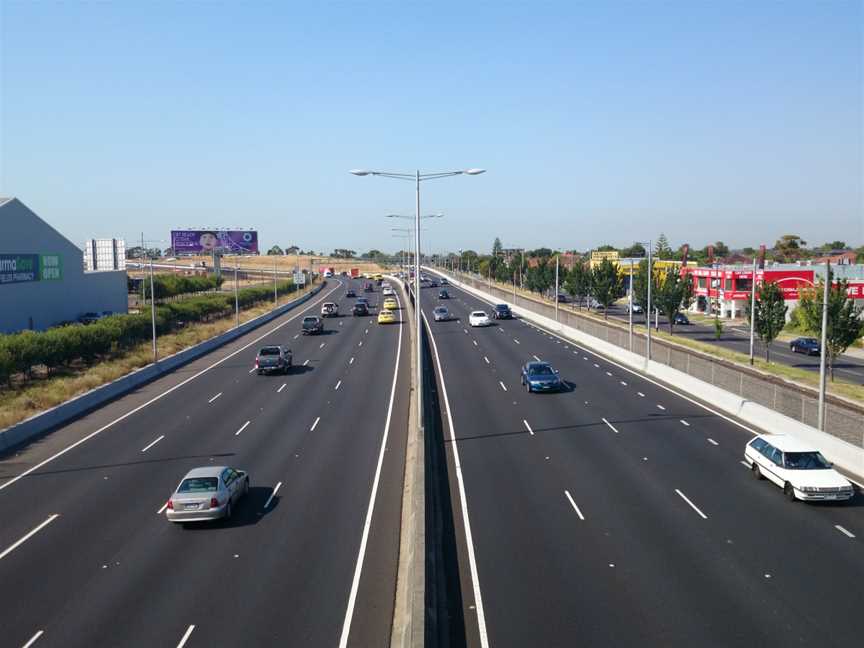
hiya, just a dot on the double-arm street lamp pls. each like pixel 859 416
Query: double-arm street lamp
pixel 417 178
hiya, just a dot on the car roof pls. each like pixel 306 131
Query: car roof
pixel 538 364
pixel 478 312
pixel 786 443
pixel 501 306
pixel 205 471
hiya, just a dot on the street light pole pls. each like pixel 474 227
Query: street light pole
pixel 630 307
pixel 275 293
pixel 557 264
pixel 752 310
pixel 822 347
pixel 236 295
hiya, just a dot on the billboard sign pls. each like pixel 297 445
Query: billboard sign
pixel 300 278
pixel 20 268
pixel 205 241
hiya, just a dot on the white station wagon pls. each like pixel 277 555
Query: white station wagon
pixel 802 472
pixel 479 318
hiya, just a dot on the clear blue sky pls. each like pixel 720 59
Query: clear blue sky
pixel 597 121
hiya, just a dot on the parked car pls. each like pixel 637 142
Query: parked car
pixel 443 294
pixel 540 376
pixel 810 346
pixel 207 493
pixel 563 299
pixel 479 318
pixel 502 311
pixel 635 308
pixel 329 309
pixel 796 467
pixel 273 359
pixel 360 309
pixel 350 294
pixel 441 314
pixel 312 325
pixel 680 319
pixel 386 316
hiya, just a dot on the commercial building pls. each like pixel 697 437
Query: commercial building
pixel 42 277
pixel 104 254
pixel 729 287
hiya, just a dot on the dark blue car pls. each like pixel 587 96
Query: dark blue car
pixel 810 346
pixel 540 376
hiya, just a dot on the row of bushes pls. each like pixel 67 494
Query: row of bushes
pixel 171 285
pixel 59 347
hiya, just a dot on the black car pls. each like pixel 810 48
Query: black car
pixel 433 283
pixel 680 319
pixel 312 325
pixel 368 287
pixel 502 311
pixel 360 309
pixel 443 295
pixel 350 293
pixel 810 346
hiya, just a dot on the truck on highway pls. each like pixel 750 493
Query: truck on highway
pixel 272 359
pixel 312 325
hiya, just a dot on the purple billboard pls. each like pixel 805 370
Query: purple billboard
pixel 205 241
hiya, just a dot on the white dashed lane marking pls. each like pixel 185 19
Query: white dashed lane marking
pixel 611 427
pixel 528 427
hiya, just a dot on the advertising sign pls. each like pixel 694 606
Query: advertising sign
pixel 51 267
pixel 205 241
pixel 17 268
pixel 300 278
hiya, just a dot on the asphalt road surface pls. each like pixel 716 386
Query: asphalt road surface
pixel 88 559
pixel 736 338
pixel 618 513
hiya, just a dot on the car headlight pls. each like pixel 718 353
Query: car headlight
pixel 806 489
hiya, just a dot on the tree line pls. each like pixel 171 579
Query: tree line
pixel 109 337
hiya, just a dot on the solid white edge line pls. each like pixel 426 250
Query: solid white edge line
pixel 530 431
pixel 242 427
pixel 152 443
pixel 844 531
pixel 284 385
pixel 33 639
pixel 28 535
pixel 573 504
pixel 692 505
pixel 315 424
pixel 216 396
pixel 165 393
pixel 361 554
pixel 612 427
pixel 273 494
pixel 503 386
pixel 463 500
pixel 186 636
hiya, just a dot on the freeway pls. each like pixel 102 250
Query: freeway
pixel 737 338
pixel 309 557
pixel 619 512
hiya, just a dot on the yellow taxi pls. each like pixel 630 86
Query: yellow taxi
pixel 386 317
pixel 390 303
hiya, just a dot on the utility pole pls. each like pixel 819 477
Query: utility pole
pixel 275 293
pixel 630 326
pixel 648 307
pixel 823 351
pixel 152 311
pixel 236 295
pixel 753 310
pixel 557 264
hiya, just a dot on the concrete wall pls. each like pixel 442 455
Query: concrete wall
pixel 41 304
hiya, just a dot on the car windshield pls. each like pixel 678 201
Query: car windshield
pixel 479 314
pixel 805 461
pixel 540 370
pixel 440 310
pixel 501 307
pixel 198 485
pixel 269 351
pixel 310 320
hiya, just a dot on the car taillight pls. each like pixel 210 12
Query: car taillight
pixel 170 504
pixel 214 503
pixel 256 363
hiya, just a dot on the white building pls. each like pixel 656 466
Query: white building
pixel 104 254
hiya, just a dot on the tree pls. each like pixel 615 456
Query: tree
pixel 770 314
pixel 292 249
pixel 342 253
pixel 497 247
pixel 662 249
pixel 169 252
pixel 577 283
pixel 721 249
pixel 538 278
pixel 844 318
pixel 860 252
pixel 789 247
pixel 606 248
pixel 673 293
pixel 606 284
pixel 634 251
pixel 274 251
pixel 640 286
pixel 834 245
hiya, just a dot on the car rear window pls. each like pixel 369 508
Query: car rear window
pixel 269 351
pixel 199 485
pixel 310 319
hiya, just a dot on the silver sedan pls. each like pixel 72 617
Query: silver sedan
pixel 207 493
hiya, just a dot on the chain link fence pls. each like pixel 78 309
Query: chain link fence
pixel 842 420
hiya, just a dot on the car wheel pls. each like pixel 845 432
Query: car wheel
pixel 754 468
pixel 246 487
pixel 789 492
pixel 260 372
